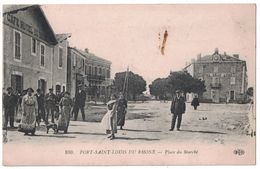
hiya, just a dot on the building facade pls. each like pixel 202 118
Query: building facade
pixel 60 63
pixel 85 68
pixel 32 53
pixel 225 77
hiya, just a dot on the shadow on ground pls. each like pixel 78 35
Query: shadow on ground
pixel 75 125
pixel 55 135
pixel 198 110
pixel 10 129
pixel 207 132
pixel 95 134
pixel 97 116
pixel 143 139
pixel 142 130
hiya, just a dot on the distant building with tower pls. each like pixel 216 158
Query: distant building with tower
pixel 225 77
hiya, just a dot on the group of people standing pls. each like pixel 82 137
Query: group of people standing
pixel 36 108
pixel 31 109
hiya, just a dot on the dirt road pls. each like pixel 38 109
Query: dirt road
pixel 150 122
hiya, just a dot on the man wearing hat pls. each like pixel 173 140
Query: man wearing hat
pixel 177 109
pixel 9 107
pixel 80 100
pixel 50 101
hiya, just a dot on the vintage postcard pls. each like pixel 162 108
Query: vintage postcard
pixel 129 84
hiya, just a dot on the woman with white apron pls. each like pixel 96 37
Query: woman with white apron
pixel 109 121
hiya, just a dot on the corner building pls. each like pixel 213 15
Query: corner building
pixel 225 77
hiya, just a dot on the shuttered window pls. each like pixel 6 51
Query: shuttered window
pixel 17 45
pixel 33 46
pixel 60 57
pixel 233 80
pixel 42 56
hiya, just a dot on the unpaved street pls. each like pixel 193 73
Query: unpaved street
pixel 150 122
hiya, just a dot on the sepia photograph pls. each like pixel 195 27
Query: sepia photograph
pixel 128 84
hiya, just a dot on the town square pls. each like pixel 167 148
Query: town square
pixel 129 75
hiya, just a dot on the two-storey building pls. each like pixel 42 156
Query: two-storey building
pixel 87 69
pixel 225 77
pixel 33 55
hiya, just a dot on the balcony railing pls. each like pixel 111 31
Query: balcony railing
pixel 215 85
pixel 95 77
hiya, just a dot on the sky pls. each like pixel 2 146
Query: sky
pixel 128 35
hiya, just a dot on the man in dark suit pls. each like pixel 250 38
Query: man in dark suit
pixel 80 100
pixel 177 109
pixel 40 100
pixel 50 102
pixel 9 106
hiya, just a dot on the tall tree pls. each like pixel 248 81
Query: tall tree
pixel 159 87
pixel 184 81
pixel 136 84
pixel 176 80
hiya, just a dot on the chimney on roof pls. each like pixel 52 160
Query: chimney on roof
pixel 216 50
pixel 86 50
pixel 236 56
pixel 199 56
pixel 225 53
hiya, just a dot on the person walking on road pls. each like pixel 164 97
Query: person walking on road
pixel 109 121
pixel 64 113
pixel 29 113
pixel 195 102
pixel 50 101
pixel 178 108
pixel 121 111
pixel 59 96
pixel 80 100
pixel 41 111
pixel 9 107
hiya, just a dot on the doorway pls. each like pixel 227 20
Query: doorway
pixel 232 95
pixel 42 85
pixel 17 83
pixel 215 96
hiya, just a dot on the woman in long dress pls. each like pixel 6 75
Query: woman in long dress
pixel 19 111
pixel 65 111
pixel 121 111
pixel 109 121
pixel 29 112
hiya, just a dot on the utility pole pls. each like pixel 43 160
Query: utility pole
pixel 125 87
